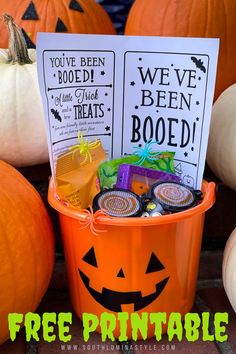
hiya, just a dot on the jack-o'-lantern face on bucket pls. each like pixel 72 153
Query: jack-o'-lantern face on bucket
pixel 112 299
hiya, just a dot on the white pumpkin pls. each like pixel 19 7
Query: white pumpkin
pixel 222 138
pixel 229 269
pixel 23 133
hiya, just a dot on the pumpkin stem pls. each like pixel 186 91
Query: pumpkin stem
pixel 17 51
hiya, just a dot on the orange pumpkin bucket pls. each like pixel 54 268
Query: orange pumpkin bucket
pixel 133 264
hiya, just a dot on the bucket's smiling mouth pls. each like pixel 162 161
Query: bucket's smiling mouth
pixel 112 300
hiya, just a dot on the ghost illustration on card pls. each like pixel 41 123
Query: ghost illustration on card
pixel 188 181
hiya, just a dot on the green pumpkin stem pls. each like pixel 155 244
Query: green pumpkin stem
pixel 17 50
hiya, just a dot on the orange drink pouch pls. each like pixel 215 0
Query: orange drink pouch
pixel 76 173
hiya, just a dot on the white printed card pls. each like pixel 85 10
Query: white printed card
pixel 126 90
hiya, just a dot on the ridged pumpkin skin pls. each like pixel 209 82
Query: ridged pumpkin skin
pixel 191 18
pixel 26 246
pixel 229 269
pixel 93 19
pixel 221 149
pixel 22 126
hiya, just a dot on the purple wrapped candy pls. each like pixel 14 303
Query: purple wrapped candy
pixel 139 179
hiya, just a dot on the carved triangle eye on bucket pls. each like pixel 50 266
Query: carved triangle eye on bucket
pixel 90 258
pixel 154 265
pixel 74 5
pixel 30 13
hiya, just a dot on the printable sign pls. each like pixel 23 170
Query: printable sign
pixel 80 97
pixel 126 91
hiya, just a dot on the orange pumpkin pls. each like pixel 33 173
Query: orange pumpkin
pixel 67 16
pixel 185 18
pixel 26 246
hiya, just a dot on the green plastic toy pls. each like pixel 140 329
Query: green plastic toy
pixel 108 170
